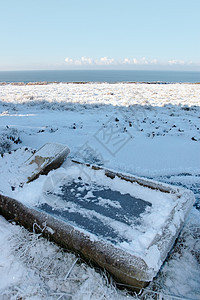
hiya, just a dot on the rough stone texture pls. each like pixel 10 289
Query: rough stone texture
pixel 48 157
pixel 125 267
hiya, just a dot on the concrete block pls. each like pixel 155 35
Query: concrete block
pixel 48 157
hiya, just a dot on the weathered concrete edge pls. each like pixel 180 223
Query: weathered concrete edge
pixel 164 241
pixel 186 199
pixel 149 183
pixel 126 268
pixel 54 164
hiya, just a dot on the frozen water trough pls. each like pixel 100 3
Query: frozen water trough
pixel 125 224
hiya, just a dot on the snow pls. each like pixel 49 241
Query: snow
pixel 33 268
pixel 157 135
pixel 140 236
pixel 44 157
pixel 10 270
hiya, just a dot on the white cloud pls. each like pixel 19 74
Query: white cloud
pixel 108 61
pixel 154 61
pixel 176 62
pixel 140 61
pixel 77 62
pixel 105 61
pixel 69 60
pixel 126 61
pixel 144 61
pixel 86 60
pixel 135 61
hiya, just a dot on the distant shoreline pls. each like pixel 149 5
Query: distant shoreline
pixel 89 82
pixel 98 76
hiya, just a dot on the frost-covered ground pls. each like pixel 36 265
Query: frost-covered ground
pixel 143 129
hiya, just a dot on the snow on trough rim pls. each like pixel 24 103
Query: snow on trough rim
pixel 137 237
pixel 173 108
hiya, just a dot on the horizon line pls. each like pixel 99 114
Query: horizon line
pixel 137 70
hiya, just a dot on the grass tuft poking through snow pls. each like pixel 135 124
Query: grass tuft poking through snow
pixel 48 272
pixel 162 126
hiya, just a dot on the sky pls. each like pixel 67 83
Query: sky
pixel 94 34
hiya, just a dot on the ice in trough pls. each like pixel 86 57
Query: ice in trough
pixel 123 223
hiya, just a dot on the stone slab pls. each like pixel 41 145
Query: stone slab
pixel 81 211
pixel 48 157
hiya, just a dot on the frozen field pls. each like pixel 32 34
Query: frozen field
pixel 147 130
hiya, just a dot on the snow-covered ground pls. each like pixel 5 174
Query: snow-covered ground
pixel 144 129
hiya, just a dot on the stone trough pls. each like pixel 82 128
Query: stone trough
pixel 124 224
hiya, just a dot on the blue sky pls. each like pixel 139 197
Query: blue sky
pixel 106 34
